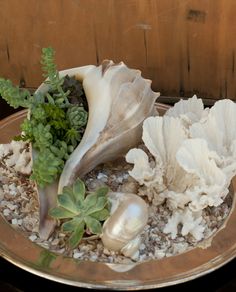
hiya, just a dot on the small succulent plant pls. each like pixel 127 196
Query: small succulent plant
pixel 84 211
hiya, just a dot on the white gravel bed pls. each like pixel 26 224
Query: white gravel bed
pixel 19 206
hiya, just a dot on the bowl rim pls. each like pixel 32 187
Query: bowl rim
pixel 20 251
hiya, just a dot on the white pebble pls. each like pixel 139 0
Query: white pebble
pixel 94 257
pixel 142 257
pixel 11 206
pixel 13 190
pixel 14 222
pixel 33 237
pixel 6 212
pixel 19 221
pixel 102 177
pixel 77 255
pixel 61 250
pixel 120 179
pixel 159 254
pixel 5 188
pixel 142 246
pixel 106 251
pixel 55 241
pixel 126 175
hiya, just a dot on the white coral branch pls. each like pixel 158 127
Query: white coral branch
pixel 191 223
pixel 16 156
pixel 142 172
pixel 189 111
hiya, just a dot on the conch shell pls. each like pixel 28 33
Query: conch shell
pixel 129 215
pixel 119 100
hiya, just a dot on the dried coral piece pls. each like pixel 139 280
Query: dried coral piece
pixel 20 159
pixel 210 184
pixel 189 111
pixel 191 223
pixel 189 174
pixel 219 130
pixel 162 137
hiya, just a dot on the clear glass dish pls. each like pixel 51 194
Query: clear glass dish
pixel 20 251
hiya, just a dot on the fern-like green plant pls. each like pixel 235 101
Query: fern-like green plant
pixel 55 126
pixel 54 81
pixel 46 167
pixel 82 211
pixel 13 95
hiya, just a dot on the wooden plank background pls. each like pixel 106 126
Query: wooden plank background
pixel 185 47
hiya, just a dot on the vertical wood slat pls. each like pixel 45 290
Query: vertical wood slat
pixel 184 46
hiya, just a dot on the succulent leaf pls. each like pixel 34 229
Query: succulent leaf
pixel 79 190
pixel 101 215
pixel 67 203
pixel 90 201
pixel 102 191
pixel 77 235
pixel 71 225
pixel 85 211
pixel 61 213
pixel 100 205
pixel 93 225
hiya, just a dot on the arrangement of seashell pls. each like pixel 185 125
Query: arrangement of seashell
pixel 119 100
pixel 187 161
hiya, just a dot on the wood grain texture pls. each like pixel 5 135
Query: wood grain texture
pixel 184 46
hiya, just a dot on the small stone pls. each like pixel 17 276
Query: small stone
pixel 159 254
pixel 142 246
pixel 77 255
pixel 96 184
pixel 85 248
pixel 142 257
pixel 14 222
pixel 5 188
pixel 55 241
pixel 11 206
pixel 13 190
pixel 106 251
pixel 119 179
pixel 129 187
pixel 19 221
pixel 6 212
pixel 102 177
pixel 33 237
pixel 61 251
pixel 113 177
pixel 94 257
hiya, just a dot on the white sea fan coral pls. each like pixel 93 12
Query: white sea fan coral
pixel 211 186
pixel 142 170
pixel 162 137
pixel 189 111
pixel 193 167
pixel 219 130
